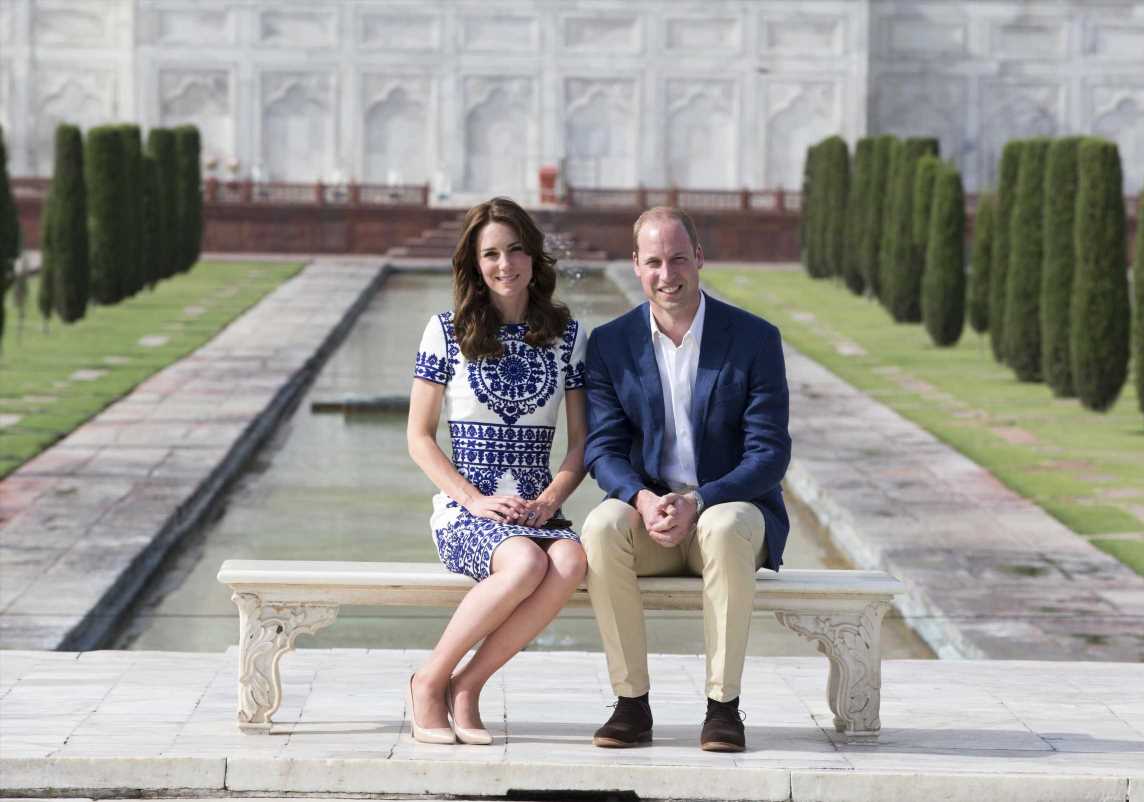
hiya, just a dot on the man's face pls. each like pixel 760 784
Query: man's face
pixel 668 265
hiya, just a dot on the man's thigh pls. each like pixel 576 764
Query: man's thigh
pixel 739 523
pixel 617 519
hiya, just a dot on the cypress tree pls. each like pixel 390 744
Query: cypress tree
pixel 1099 328
pixel 901 279
pixel 106 188
pixel 857 202
pixel 131 217
pixel 805 204
pixel 943 282
pixel 837 190
pixel 819 212
pixel 189 180
pixel 1026 253
pixel 149 221
pixel 67 280
pixel 874 219
pixel 161 147
pixel 45 301
pixel 925 176
pixel 1057 270
pixel 890 214
pixel 982 261
pixel 1006 194
pixel 9 231
pixel 1138 286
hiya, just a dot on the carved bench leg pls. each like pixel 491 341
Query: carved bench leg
pixel 265 633
pixel 852 644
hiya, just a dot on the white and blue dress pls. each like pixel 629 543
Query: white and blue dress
pixel 502 416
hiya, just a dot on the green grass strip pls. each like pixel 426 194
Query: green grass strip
pixel 1082 467
pixel 53 380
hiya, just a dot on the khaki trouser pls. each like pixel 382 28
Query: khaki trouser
pixel 726 548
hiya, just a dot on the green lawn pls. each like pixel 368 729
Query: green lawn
pixel 51 381
pixel 1084 468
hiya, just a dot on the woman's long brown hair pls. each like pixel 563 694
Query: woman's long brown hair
pixel 475 319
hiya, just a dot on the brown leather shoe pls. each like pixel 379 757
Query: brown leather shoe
pixel 629 725
pixel 723 727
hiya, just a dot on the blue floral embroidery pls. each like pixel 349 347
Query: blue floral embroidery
pixel 483 452
pixel 466 545
pixel 517 383
pixel 574 375
pixel 439 368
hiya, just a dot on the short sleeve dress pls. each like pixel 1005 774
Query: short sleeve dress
pixel 502 416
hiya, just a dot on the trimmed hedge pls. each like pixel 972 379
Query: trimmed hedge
pixel 104 168
pixel 9 231
pixel 161 147
pixel 857 203
pixel 150 220
pixel 837 169
pixel 1138 285
pixel 925 177
pixel 1057 270
pixel 65 283
pixel 901 273
pixel 871 242
pixel 189 194
pixel 1099 328
pixel 982 262
pixel 1026 253
pixel 889 217
pixel 805 205
pixel 943 282
pixel 1006 195
pixel 134 277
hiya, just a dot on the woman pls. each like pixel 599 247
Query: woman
pixel 500 362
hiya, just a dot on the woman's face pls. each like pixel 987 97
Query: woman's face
pixel 504 265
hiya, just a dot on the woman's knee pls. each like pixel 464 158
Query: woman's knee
pixel 568 560
pixel 523 561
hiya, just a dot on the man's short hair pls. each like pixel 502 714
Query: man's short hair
pixel 669 213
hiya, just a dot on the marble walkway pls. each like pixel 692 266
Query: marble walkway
pixel 100 723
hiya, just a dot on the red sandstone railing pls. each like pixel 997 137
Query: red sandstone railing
pixel 705 200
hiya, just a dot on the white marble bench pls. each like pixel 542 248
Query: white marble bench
pixel 278 600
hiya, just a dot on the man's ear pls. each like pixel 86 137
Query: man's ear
pixel 635 263
pixel 698 257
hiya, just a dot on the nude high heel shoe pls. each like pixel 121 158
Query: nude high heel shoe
pixel 435 735
pixel 476 737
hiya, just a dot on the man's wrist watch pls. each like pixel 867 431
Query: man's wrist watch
pixel 698 499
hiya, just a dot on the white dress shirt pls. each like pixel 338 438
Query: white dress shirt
pixel 677 368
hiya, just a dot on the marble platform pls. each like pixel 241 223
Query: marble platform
pixel 105 723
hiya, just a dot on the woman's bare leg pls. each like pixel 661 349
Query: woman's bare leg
pixel 519 566
pixel 566 566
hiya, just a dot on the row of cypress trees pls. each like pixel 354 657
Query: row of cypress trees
pixel 119 217
pixel 1048 278
pixel 874 223
pixel 9 231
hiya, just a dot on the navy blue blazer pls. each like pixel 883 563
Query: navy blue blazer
pixel 739 413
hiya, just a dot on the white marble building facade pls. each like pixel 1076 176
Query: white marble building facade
pixel 474 96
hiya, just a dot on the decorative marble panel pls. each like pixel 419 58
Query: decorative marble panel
pixel 701 134
pixel 297 142
pixel 177 26
pixel 1015 111
pixel 796 115
pixel 604 33
pixel 1114 42
pixel 1118 115
pixel 77 95
pixel 804 35
pixel 298 28
pixel 695 33
pixel 917 37
pixel 600 132
pixel 72 24
pixel 6 12
pixel 202 98
pixel 392 31
pixel 396 135
pixel 501 32
pixel 500 125
pixel 1030 39
pixel 923 104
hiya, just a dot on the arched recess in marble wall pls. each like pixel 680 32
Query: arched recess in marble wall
pixel 396 139
pixel 296 142
pixel 925 108
pixel 202 100
pixel 1123 124
pixel 1021 117
pixel 599 135
pixel 497 132
pixel 806 114
pixel 71 100
pixel 701 143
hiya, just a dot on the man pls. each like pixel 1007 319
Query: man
pixel 687 419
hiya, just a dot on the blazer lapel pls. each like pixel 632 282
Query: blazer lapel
pixel 716 341
pixel 643 352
